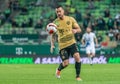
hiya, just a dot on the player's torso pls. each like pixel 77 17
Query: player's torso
pixel 89 39
pixel 65 35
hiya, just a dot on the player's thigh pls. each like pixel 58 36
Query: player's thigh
pixel 64 54
pixel 75 52
pixel 88 50
pixel 93 51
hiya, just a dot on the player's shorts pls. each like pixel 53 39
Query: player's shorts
pixel 90 50
pixel 68 51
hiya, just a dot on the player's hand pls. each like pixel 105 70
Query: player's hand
pixel 74 31
pixel 52 49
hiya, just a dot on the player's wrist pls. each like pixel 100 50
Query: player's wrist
pixel 52 46
pixel 74 31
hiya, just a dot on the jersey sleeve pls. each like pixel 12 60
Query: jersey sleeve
pixel 74 22
pixel 55 21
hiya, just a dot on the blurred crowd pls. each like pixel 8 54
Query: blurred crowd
pixel 104 22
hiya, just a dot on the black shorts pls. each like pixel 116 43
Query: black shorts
pixel 68 51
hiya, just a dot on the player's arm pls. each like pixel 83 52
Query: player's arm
pixel 96 41
pixel 76 27
pixel 83 41
pixel 52 40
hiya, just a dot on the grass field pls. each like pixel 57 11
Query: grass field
pixel 44 74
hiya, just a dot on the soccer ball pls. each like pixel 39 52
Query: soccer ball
pixel 51 28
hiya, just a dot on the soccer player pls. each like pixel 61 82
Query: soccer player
pixel 66 28
pixel 88 40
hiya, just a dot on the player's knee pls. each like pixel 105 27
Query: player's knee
pixel 93 54
pixel 88 54
pixel 77 57
pixel 66 63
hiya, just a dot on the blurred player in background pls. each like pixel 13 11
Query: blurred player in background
pixel 66 27
pixel 89 39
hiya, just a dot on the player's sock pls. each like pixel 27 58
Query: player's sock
pixel 78 68
pixel 90 60
pixel 61 67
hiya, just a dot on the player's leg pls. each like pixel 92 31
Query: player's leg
pixel 93 52
pixel 90 58
pixel 88 52
pixel 77 65
pixel 63 64
pixel 76 55
pixel 65 61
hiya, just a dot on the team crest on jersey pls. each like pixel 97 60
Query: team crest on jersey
pixel 68 22
pixel 63 57
pixel 62 52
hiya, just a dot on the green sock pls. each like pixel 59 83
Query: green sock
pixel 78 68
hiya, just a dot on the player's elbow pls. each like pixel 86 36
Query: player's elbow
pixel 79 30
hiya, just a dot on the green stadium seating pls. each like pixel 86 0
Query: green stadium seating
pixel 35 13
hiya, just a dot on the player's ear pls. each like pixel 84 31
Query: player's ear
pixel 63 11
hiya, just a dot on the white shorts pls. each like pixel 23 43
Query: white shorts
pixel 90 50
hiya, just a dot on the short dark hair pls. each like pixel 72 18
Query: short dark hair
pixel 58 6
pixel 90 27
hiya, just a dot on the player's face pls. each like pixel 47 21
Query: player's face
pixel 60 12
pixel 88 30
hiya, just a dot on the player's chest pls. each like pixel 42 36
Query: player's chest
pixel 64 27
pixel 88 36
pixel 64 24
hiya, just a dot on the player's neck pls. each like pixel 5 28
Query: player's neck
pixel 88 32
pixel 62 18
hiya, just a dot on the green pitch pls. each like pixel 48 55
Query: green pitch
pixel 44 74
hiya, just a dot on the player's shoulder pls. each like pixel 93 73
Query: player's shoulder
pixel 85 34
pixel 69 17
pixel 55 20
pixel 92 34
